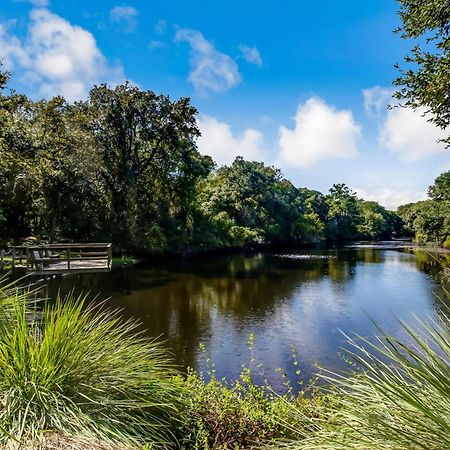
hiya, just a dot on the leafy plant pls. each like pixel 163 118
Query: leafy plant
pixel 244 415
pixel 80 371
pixel 397 397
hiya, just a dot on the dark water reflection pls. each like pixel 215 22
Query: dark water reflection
pixel 299 299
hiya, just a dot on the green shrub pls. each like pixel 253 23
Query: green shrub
pixel 83 372
pixel 243 415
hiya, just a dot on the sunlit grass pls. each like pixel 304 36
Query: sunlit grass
pixel 80 371
pixel 397 397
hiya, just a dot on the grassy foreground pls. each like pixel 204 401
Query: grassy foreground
pixel 81 373
pixel 397 395
pixel 78 377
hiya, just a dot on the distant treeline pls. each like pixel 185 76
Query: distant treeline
pixel 429 221
pixel 123 166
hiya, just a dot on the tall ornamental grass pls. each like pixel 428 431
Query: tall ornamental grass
pixel 397 397
pixel 73 371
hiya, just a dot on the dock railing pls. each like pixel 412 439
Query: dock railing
pixel 63 258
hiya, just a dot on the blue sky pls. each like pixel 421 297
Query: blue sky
pixel 302 85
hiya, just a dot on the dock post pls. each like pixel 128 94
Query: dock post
pixel 68 259
pixel 2 253
pixel 13 254
pixel 109 257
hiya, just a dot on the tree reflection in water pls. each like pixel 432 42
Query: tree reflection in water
pixel 285 300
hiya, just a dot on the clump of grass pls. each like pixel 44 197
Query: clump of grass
pixel 398 396
pixel 73 370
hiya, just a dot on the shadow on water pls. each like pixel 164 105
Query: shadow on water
pixel 300 298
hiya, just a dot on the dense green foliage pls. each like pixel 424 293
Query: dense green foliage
pixel 440 191
pixel 425 82
pixel 221 415
pixel 123 166
pixel 250 203
pixel 429 221
pixel 80 373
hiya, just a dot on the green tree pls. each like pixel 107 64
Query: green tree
pixel 312 210
pixel 344 213
pixel 20 182
pixel 429 220
pixel 308 228
pixel 432 224
pixel 377 222
pixel 48 169
pixel 425 82
pixel 252 202
pixel 124 166
pixel 147 144
pixel 440 190
pixel 75 202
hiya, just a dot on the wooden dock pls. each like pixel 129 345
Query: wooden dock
pixel 56 259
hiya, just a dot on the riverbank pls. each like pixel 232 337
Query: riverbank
pixel 119 260
pixel 399 244
pixel 106 387
pixel 406 243
pixel 293 297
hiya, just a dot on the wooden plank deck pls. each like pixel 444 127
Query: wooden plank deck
pixel 83 266
pixel 56 259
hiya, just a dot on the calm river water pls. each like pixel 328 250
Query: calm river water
pixel 303 300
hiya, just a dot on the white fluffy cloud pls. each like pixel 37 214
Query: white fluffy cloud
pixel 403 131
pixel 125 16
pixel 408 134
pixel 390 198
pixel 376 100
pixel 57 57
pixel 11 51
pixel 321 132
pixel 218 141
pixel 251 55
pixel 211 70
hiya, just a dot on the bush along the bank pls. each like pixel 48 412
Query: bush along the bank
pixel 81 376
pixel 428 221
pixel 221 415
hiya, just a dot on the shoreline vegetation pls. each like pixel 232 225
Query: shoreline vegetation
pixel 74 376
pixel 123 167
pixel 404 243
